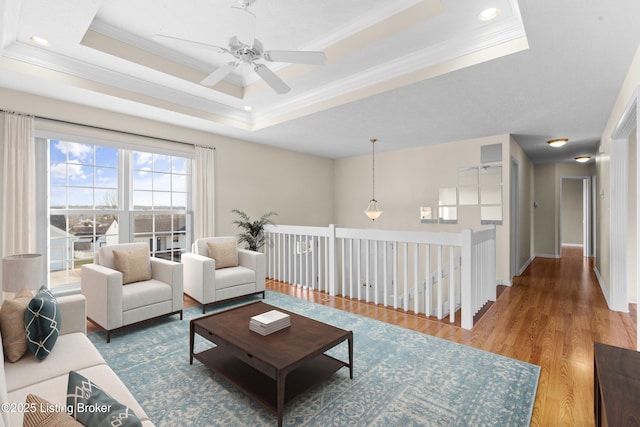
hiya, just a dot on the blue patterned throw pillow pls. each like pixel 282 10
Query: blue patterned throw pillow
pixel 93 407
pixel 42 323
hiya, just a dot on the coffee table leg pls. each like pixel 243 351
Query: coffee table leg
pixel 191 333
pixel 282 378
pixel 350 356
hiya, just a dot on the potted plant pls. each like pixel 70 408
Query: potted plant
pixel 253 234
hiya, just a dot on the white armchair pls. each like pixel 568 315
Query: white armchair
pixel 112 305
pixel 208 285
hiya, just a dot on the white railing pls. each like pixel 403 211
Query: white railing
pixel 431 273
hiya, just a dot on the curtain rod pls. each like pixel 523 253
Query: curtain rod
pixel 109 130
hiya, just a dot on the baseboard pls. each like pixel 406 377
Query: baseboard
pixel 525 266
pixel 501 282
pixel 605 291
pixel 573 245
pixel 556 256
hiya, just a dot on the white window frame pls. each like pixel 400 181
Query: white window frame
pixel 125 192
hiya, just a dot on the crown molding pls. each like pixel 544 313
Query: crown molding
pixel 507 31
pixel 120 82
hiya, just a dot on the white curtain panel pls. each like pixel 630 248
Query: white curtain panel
pixel 203 193
pixel 18 185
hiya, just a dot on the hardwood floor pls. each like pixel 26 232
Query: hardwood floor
pixel 549 317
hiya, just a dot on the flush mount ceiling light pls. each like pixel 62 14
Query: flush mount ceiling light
pixel 372 210
pixel 39 40
pixel 558 142
pixel 489 14
pixel 582 159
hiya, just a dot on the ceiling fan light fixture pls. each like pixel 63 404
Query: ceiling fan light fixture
pixel 582 159
pixel 489 14
pixel 558 142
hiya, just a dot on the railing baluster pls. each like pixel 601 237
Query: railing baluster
pixel 359 277
pixel 351 272
pixel 376 282
pixel 452 287
pixel 428 287
pixel 405 268
pixel 310 257
pixel 439 279
pixel 394 283
pixel 385 278
pixel 367 266
pixel 343 262
pixel 416 279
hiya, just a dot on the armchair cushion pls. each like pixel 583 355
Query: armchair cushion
pixel 134 264
pixel 230 277
pixel 225 253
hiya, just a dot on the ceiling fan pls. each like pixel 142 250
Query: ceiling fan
pixel 246 49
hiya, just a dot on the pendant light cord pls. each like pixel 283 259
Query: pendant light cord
pixel 373 168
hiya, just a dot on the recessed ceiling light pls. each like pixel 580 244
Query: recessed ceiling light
pixel 558 142
pixel 39 40
pixel 582 159
pixel 248 108
pixel 489 14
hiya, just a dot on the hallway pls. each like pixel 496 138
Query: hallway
pixel 549 317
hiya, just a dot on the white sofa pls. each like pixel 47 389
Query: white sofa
pixel 48 378
pixel 205 284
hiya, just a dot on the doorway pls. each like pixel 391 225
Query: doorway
pixel 514 231
pixel 576 213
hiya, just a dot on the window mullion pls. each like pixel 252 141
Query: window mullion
pixel 125 185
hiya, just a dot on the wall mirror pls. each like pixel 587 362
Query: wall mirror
pixel 448 196
pixel 448 214
pixel 491 175
pixel 491 215
pixel 468 195
pixel 467 176
pixel 428 215
pixel 491 194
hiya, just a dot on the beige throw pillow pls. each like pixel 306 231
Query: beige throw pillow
pixel 225 254
pixel 43 413
pixel 134 265
pixel 14 337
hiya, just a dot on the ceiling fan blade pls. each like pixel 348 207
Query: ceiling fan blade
pixel 295 56
pixel 245 22
pixel 219 74
pixel 271 79
pixel 176 41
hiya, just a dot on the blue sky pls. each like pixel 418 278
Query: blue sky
pixel 87 176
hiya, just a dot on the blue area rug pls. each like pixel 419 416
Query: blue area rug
pixel 401 378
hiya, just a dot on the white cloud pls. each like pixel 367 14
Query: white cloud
pixel 59 170
pixel 74 149
pixel 75 170
pixel 143 158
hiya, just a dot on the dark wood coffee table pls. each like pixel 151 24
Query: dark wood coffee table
pixel 275 368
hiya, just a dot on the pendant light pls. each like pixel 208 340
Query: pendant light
pixel 372 210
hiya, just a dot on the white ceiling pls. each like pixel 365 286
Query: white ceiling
pixel 408 72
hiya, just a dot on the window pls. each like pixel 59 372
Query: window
pixel 160 198
pixel 94 200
